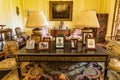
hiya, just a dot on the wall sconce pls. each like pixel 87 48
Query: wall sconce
pixel 28 12
pixel 17 10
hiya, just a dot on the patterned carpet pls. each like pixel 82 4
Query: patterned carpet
pixel 13 75
pixel 51 70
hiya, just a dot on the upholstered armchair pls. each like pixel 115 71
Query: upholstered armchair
pixel 21 34
pixel 22 37
pixel 9 49
pixel 113 48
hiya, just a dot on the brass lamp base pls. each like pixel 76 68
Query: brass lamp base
pixel 37 31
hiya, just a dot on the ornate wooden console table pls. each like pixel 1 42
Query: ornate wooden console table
pixel 74 59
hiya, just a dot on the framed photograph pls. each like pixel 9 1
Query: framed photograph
pixel 60 10
pixel 91 43
pixel 87 35
pixel 30 44
pixel 43 45
pixel 74 43
pixel 59 41
pixel 46 38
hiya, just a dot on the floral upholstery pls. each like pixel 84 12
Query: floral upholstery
pixel 114 64
pixel 10 47
pixel 113 47
pixel 8 64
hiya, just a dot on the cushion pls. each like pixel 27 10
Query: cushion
pixel 115 65
pixel 8 63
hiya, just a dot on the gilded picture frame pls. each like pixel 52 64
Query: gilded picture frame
pixel 60 10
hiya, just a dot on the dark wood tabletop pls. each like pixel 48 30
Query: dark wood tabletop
pixel 81 50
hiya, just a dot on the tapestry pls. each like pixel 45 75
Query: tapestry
pixel 101 32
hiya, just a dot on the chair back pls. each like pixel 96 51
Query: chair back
pixel 18 31
pixel 20 34
pixel 113 48
pixel 10 48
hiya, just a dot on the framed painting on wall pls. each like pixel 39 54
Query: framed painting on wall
pixel 60 10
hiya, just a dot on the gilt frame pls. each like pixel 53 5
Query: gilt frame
pixel 60 10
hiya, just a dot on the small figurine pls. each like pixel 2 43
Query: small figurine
pixel 61 25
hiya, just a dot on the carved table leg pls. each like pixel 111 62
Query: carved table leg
pixel 19 70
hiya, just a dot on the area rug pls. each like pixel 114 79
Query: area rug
pixel 13 75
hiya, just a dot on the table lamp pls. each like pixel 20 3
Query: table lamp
pixel 88 19
pixel 36 20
